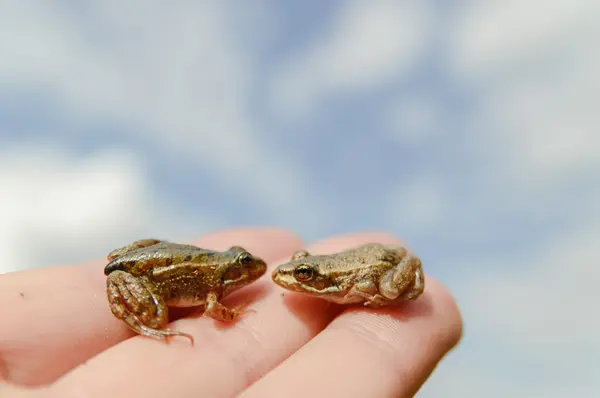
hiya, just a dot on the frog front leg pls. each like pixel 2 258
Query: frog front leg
pixel 135 301
pixel 406 280
pixel 215 310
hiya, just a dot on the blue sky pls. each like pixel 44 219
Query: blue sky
pixel 467 129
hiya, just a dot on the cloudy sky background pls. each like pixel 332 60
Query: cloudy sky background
pixel 470 129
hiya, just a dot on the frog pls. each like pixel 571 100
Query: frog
pixel 146 277
pixel 373 274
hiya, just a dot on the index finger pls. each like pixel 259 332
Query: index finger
pixel 386 352
pixel 55 318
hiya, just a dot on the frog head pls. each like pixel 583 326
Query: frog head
pixel 240 268
pixel 305 275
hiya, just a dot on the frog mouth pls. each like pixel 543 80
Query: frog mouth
pixel 258 270
pixel 286 280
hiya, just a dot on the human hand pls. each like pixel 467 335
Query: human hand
pixel 58 337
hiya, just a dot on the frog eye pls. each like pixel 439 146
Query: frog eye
pixel 245 259
pixel 304 272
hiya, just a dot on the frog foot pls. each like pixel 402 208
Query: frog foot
pixel 242 309
pixel 417 287
pixel 406 281
pixel 161 334
pixel 216 310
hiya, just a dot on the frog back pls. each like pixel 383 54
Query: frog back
pixel 140 261
pixel 371 259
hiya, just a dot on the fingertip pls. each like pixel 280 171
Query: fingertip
pixel 448 312
pixel 436 300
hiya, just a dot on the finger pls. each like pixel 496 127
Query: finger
pixel 374 353
pixel 13 391
pixel 224 360
pixel 57 317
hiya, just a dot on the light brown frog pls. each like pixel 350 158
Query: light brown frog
pixel 373 274
pixel 146 277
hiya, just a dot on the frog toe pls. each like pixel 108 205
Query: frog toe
pixel 417 287
pixel 137 326
pixel 219 312
pixel 377 301
pixel 163 334
pixel 215 310
pixel 387 287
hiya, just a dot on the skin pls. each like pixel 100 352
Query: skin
pixel 374 274
pixel 147 276
pixel 58 337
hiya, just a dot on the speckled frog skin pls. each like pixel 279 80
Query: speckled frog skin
pixel 373 274
pixel 147 276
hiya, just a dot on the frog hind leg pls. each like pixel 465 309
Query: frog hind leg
pixel 417 287
pixel 215 310
pixel 366 291
pixel 405 280
pixel 134 301
pixel 138 244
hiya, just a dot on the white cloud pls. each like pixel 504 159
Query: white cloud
pixel 174 76
pixel 496 36
pixel 530 325
pixel 368 44
pixel 528 314
pixel 541 302
pixel 57 207
pixel 413 120
pixel 455 380
pixel 535 65
pixel 418 204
